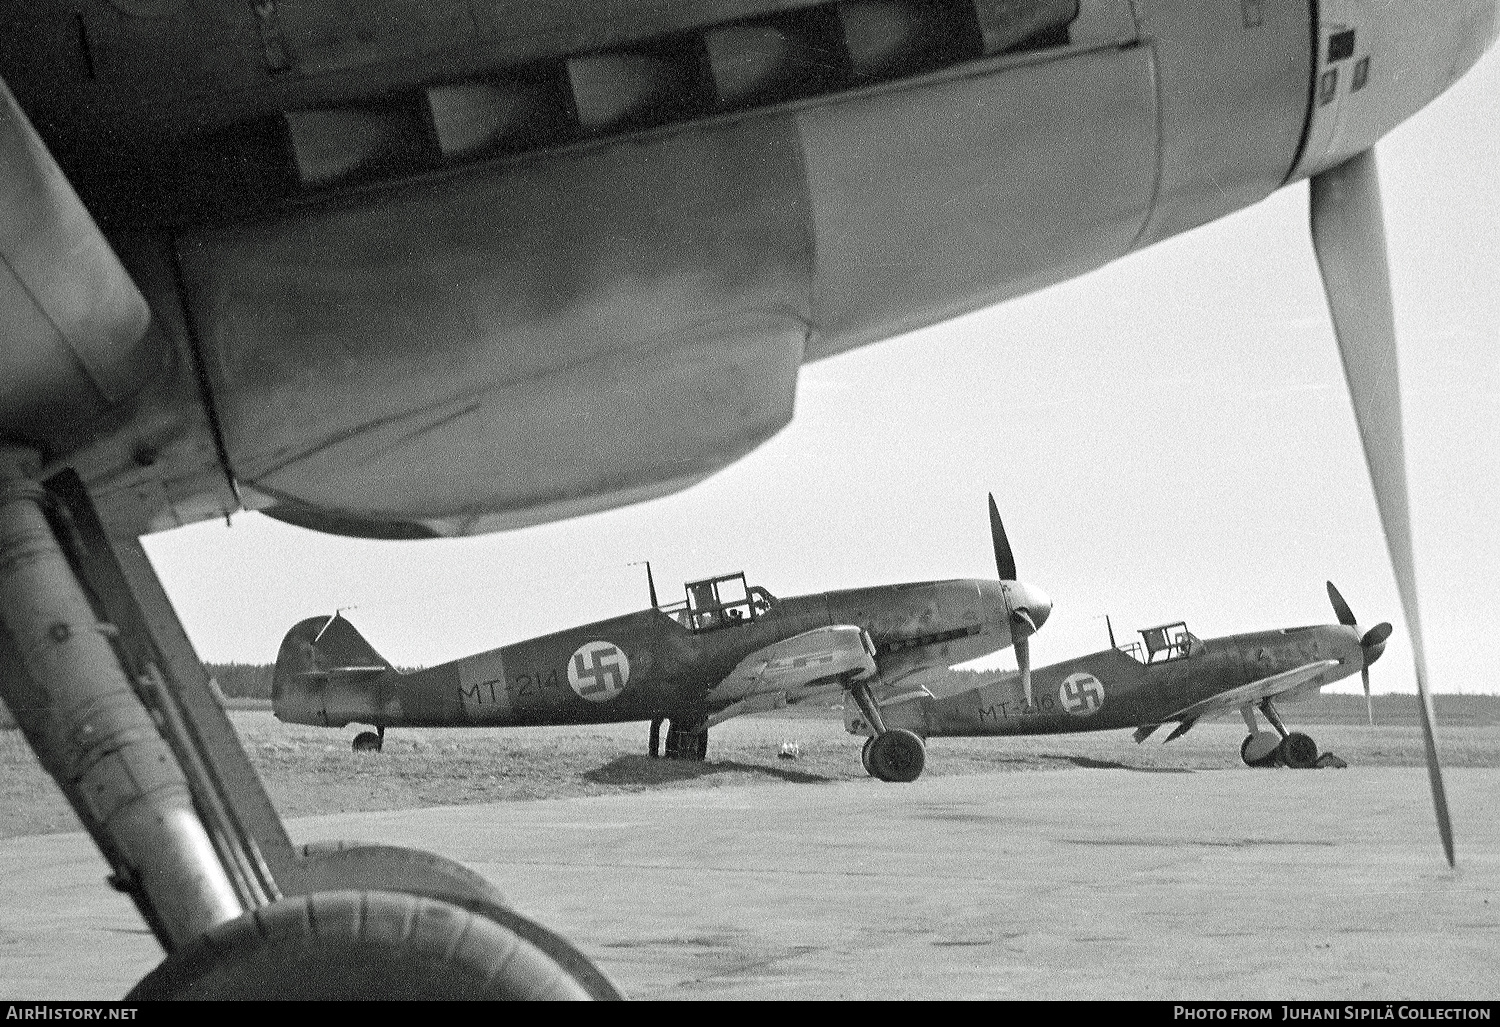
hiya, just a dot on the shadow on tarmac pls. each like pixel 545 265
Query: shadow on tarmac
pixel 1092 764
pixel 643 770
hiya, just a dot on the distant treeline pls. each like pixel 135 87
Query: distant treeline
pixel 242 680
pixel 248 680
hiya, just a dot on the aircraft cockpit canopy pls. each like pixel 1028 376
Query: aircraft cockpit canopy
pixel 1163 643
pixel 720 602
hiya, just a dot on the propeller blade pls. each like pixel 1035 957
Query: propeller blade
pixel 1023 660
pixel 1369 706
pixel 1005 562
pixel 1340 608
pixel 1376 635
pixel 1348 233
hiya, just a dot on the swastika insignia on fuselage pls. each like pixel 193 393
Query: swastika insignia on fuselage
pixel 599 671
pixel 1081 694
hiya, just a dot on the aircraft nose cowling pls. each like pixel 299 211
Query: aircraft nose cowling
pixel 1032 601
pixel 1380 61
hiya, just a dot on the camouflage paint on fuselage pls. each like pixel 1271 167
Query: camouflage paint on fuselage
pixel 1110 690
pixel 635 667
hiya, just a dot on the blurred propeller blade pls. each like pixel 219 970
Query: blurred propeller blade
pixel 1005 562
pixel 1023 660
pixel 1340 608
pixel 1348 233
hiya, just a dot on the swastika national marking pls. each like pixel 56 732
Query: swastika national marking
pixel 1081 694
pixel 598 671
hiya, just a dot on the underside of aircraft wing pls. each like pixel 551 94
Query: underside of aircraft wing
pixel 795 669
pixel 1303 678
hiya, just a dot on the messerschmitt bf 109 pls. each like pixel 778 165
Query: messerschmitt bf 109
pixel 1170 676
pixel 728 649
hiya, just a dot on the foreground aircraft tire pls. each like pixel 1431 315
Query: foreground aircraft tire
pixel 352 945
pixel 898 755
pixel 1299 751
pixel 366 741
pixel 1260 749
pixel 864 755
pixel 346 866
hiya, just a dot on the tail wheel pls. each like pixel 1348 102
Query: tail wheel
pixel 1299 751
pixel 354 945
pixel 864 755
pixel 898 755
pixel 367 741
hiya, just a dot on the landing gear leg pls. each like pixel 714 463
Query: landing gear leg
pixel 1259 747
pixel 112 698
pixel 893 754
pixel 653 746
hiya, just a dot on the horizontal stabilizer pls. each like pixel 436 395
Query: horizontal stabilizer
pixel 901 697
pixel 350 672
pixel 1144 732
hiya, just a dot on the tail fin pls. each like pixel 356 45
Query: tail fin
pixel 319 658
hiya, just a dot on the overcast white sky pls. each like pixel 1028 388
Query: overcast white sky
pixel 1167 438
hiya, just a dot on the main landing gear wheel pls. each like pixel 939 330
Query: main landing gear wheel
pixel 345 866
pixel 367 741
pixel 897 755
pixel 1260 749
pixel 359 945
pixel 864 755
pixel 686 743
pixel 1299 751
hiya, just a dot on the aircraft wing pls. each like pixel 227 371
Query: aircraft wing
pixel 794 670
pixel 1299 679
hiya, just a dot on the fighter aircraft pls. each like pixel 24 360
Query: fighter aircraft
pixel 1169 676
pixel 727 649
pixel 398 269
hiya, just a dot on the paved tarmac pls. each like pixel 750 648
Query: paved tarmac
pixel 1083 883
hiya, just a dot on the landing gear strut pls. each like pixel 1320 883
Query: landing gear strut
pixel 370 741
pixel 1292 748
pixel 688 742
pixel 653 746
pixel 113 700
pixel 894 754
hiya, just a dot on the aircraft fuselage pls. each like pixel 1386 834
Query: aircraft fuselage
pixel 646 665
pixel 1109 690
